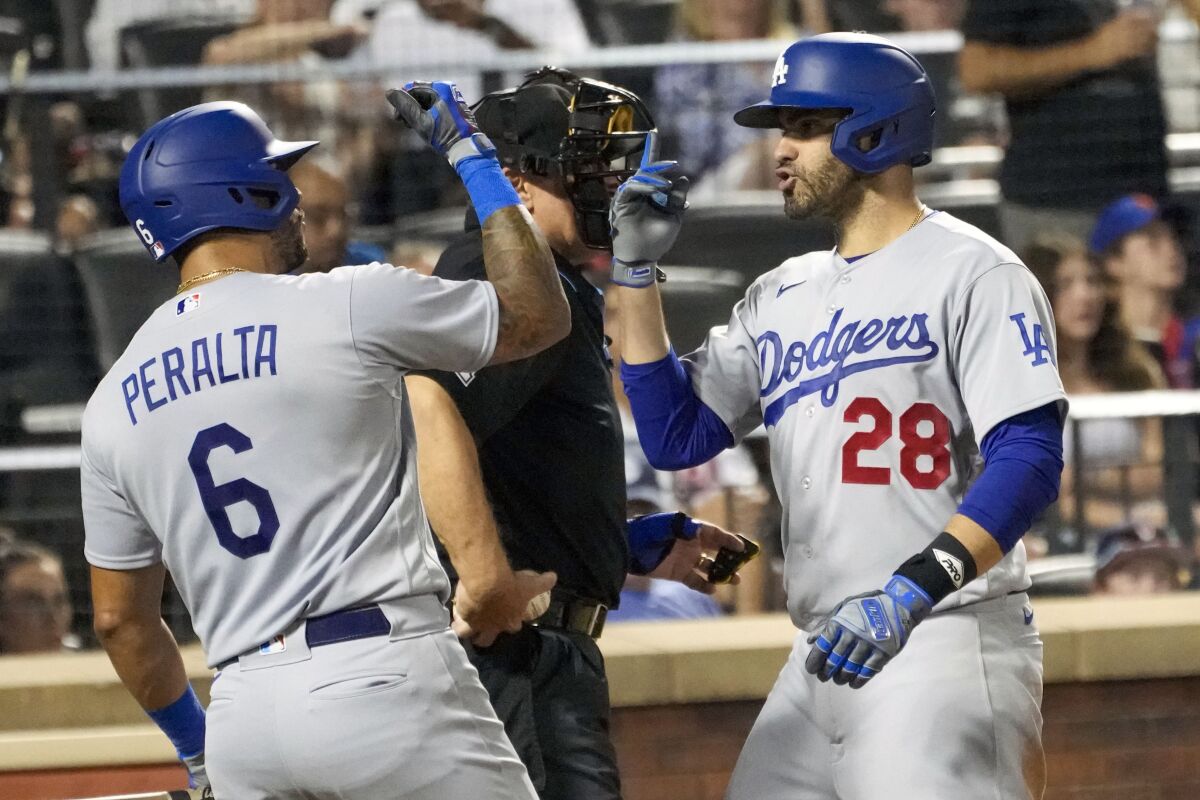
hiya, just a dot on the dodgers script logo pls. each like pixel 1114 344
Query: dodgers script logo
pixel 845 350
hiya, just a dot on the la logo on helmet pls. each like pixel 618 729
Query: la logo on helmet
pixel 780 75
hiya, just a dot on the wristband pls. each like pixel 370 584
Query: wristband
pixel 183 723
pixel 488 187
pixel 652 536
pixel 945 566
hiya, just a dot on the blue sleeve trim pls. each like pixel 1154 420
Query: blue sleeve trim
pixel 675 428
pixel 488 187
pixel 183 723
pixel 1023 462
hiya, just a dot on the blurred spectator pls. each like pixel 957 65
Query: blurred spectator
pixel 283 30
pixel 35 607
pixel 1084 107
pixel 644 599
pixel 927 15
pixel 1142 253
pixel 78 218
pixel 110 17
pixel 1140 560
pixel 406 33
pixel 695 103
pixel 325 202
pixel 1096 354
pixel 418 254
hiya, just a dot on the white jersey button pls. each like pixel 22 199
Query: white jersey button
pixel 806 551
pixel 808 412
pixel 832 309
pixel 845 279
pixel 806 482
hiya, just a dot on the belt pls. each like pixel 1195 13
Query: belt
pixel 340 626
pixel 575 615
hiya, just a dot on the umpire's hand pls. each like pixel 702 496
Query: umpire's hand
pixel 500 608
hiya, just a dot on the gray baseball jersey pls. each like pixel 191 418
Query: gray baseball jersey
pixel 876 381
pixel 255 436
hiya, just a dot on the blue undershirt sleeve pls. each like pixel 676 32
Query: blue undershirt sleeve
pixel 1023 461
pixel 675 428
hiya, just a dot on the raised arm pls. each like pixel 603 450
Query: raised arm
pixel 533 309
pixel 1021 72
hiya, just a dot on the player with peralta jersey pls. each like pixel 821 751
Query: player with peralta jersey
pixel 255 439
pixel 884 371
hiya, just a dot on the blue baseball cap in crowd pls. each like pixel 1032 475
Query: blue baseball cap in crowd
pixel 1122 217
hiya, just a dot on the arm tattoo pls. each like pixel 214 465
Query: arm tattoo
pixel 533 309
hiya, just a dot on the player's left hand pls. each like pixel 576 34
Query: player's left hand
pixel 645 217
pixel 866 631
pixel 688 559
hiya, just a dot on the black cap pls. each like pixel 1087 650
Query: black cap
pixel 532 120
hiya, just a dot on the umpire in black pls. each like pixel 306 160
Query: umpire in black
pixel 548 434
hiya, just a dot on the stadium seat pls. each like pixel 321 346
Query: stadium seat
pixel 123 285
pixel 45 351
pixel 697 298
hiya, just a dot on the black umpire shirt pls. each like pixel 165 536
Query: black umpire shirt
pixel 1091 140
pixel 550 443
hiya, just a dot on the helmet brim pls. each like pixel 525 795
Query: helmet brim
pixel 759 115
pixel 283 155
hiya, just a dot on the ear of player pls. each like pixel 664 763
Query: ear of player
pixel 438 112
pixel 866 631
pixel 645 217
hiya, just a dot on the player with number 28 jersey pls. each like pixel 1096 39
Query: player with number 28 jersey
pixel 873 379
pixel 906 380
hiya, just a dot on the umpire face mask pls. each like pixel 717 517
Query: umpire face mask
pixel 588 133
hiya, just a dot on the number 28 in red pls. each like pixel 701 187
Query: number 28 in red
pixel 916 444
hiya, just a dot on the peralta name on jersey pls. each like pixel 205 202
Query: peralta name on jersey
pixel 179 371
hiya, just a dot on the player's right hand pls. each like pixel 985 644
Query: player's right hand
pixel 645 217
pixel 440 115
pixel 497 609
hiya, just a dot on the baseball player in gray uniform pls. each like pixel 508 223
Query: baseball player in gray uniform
pixel 255 440
pixel 884 371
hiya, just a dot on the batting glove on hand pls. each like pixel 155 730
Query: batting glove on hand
pixel 865 632
pixel 197 775
pixel 645 216
pixel 440 115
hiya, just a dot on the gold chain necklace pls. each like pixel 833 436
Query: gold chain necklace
pixel 920 215
pixel 208 276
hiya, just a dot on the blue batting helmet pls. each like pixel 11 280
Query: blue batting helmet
pixel 215 165
pixel 883 87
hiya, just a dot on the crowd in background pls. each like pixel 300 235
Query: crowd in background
pixel 1078 94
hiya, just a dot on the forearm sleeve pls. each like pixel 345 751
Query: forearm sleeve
pixel 1023 462
pixel 675 429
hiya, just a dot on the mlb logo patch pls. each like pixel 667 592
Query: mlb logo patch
pixel 276 645
pixel 157 248
pixel 189 303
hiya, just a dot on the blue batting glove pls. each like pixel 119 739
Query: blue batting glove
pixel 865 632
pixel 645 216
pixel 440 115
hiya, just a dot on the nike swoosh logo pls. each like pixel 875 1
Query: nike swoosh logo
pixel 783 289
